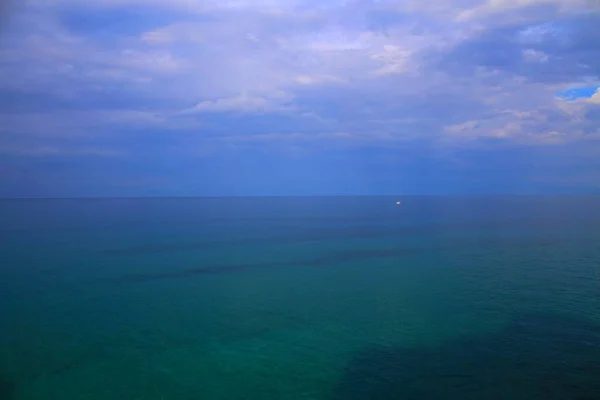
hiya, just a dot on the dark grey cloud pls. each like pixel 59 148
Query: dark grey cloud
pixel 563 50
pixel 290 76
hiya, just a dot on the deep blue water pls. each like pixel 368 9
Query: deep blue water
pixel 300 298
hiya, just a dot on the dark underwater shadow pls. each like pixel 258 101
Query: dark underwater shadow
pixel 323 261
pixel 7 388
pixel 312 235
pixel 536 357
pixel 347 233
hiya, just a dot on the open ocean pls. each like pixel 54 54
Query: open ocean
pixel 325 298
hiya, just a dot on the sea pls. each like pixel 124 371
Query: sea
pixel 324 298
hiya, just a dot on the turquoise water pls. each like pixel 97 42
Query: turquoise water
pixel 300 298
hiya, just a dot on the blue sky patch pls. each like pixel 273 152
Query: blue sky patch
pixel 578 93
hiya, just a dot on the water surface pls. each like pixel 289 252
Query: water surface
pixel 300 298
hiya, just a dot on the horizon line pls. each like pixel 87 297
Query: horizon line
pixel 302 196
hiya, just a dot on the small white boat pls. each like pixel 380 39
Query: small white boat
pixel 398 203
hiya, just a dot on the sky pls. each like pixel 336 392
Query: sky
pixel 299 97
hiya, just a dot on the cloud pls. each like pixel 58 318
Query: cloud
pixel 56 151
pixel 342 74
pixel 563 51
pixel 563 122
pixel 534 56
pixel 245 102
pixel 491 8
pixel 595 97
pixel 81 123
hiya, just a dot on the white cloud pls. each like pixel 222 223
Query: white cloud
pixel 178 32
pixel 368 64
pixel 44 151
pixel 595 97
pixel 579 108
pixel 532 55
pixel 290 137
pixel 559 122
pixel 493 7
pixel 318 79
pixel 393 59
pixel 246 103
pixel 65 124
pixel 158 62
pixel 464 128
